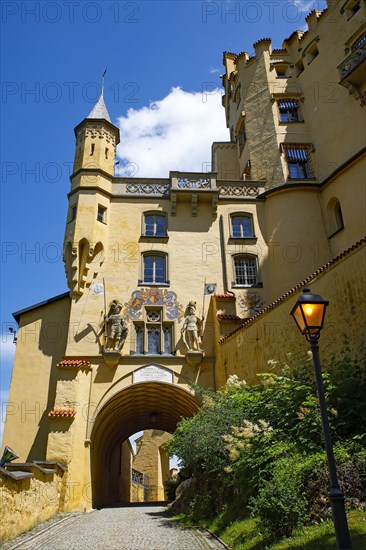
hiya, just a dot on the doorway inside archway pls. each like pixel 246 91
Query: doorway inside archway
pixel 146 406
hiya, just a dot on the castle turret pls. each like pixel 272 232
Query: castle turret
pixel 86 232
pixel 96 140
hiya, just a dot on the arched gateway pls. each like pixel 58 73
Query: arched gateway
pixel 141 406
pixel 119 351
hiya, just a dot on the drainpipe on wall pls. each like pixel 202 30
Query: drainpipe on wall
pixel 223 257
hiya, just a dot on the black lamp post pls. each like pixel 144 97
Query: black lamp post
pixel 309 313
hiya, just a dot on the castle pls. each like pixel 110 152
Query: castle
pixel 191 278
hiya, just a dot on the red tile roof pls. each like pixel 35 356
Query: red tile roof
pixel 62 413
pixel 294 289
pixel 74 363
pixel 228 317
pixel 224 296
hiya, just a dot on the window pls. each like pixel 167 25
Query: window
pixel 102 214
pixel 154 269
pixel 245 270
pixel 241 136
pixel 281 72
pixel 282 69
pixel 334 216
pixel 237 95
pixel 289 110
pixel 247 172
pixel 311 51
pixel 338 216
pixel 299 67
pixel 359 42
pixel 72 213
pixel 154 336
pixel 350 8
pixel 298 160
pixel 154 225
pixel 139 329
pixel 241 226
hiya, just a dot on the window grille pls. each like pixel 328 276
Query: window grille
pixel 245 270
pixel 154 335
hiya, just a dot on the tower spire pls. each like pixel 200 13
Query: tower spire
pixel 103 76
pixel 100 110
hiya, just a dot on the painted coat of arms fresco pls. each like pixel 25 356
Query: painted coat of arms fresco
pixel 153 296
pixel 250 303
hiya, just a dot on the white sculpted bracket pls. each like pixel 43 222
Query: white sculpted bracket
pixel 152 373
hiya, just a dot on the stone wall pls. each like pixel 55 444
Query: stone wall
pixel 29 494
pixel 273 335
pixel 152 461
pixel 137 492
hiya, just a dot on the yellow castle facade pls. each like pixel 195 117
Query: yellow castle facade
pixel 191 278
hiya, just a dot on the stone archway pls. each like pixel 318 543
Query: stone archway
pixel 131 410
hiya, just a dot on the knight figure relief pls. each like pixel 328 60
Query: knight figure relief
pixel 192 328
pixel 115 329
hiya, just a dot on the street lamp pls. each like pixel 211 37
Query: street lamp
pixel 309 313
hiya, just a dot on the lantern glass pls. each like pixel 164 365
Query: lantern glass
pixel 298 316
pixel 314 316
pixel 309 313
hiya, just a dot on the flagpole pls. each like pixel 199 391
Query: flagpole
pixel 204 296
pixel 105 316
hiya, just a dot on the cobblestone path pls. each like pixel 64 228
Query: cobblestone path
pixel 122 528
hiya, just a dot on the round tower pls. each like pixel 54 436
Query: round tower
pixel 86 233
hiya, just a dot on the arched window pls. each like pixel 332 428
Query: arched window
pixel 334 216
pixel 154 333
pixel 245 270
pixel 154 269
pixel 241 226
pixel 154 224
pixel 338 215
pixel 360 41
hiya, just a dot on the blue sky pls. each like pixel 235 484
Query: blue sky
pixel 160 57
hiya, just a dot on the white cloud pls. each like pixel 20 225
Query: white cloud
pixel 307 5
pixel 174 133
pixel 3 402
pixel 7 347
pixel 7 351
pixel 213 71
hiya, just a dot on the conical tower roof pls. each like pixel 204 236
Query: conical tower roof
pixel 100 110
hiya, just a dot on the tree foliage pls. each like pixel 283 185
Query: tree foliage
pixel 254 444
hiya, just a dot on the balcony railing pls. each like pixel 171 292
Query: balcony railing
pixel 240 189
pixel 187 183
pixel 193 181
pixel 136 187
pixel 352 62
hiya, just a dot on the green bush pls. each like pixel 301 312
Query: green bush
pixel 279 506
pixel 245 440
pixel 171 485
